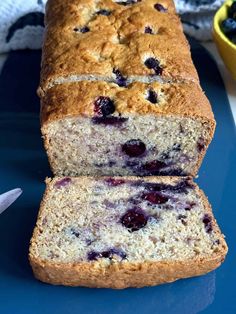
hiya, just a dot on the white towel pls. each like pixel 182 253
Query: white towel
pixel 21 21
pixel 18 34
pixel 197 6
pixel 197 17
pixel 198 26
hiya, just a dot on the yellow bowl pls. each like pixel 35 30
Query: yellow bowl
pixel 226 48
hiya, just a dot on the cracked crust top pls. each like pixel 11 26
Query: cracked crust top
pixel 79 41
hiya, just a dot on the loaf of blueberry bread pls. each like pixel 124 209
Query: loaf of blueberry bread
pixel 124 232
pixel 114 41
pixel 100 128
pixel 120 94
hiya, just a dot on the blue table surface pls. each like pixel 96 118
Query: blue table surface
pixel 23 163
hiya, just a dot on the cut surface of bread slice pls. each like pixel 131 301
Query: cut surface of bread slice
pixel 124 232
pixel 99 128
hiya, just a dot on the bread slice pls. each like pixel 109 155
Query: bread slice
pixel 95 40
pixel 124 232
pixel 99 128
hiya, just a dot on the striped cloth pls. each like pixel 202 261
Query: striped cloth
pixel 197 16
pixel 197 6
pixel 21 24
pixel 22 21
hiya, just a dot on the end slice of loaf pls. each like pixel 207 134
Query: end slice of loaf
pixel 124 232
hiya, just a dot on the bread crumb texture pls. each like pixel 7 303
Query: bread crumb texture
pixel 103 224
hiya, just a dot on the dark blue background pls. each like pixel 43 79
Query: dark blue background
pixel 23 163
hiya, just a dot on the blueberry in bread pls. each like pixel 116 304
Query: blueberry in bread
pixel 124 232
pixel 100 128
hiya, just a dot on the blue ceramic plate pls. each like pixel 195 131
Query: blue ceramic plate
pixel 23 163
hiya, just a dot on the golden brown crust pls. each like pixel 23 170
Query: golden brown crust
pixel 115 41
pixel 77 99
pixel 126 274
pixel 119 276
